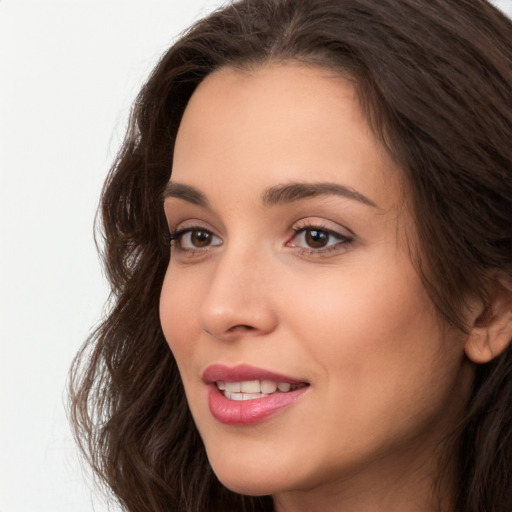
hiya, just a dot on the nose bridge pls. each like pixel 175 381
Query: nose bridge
pixel 238 299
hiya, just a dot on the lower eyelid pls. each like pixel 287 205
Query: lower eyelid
pixel 178 235
pixel 339 243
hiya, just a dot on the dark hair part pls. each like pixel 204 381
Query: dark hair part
pixel 434 79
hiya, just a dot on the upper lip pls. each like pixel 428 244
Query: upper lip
pixel 244 372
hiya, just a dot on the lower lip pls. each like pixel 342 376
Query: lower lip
pixel 249 412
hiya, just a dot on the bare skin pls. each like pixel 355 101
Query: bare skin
pixel 318 287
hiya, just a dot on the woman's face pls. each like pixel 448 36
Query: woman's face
pixel 310 352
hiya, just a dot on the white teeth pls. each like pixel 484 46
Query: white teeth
pixel 267 386
pixel 233 387
pixel 244 396
pixel 234 396
pixel 250 386
pixel 252 396
pixel 252 389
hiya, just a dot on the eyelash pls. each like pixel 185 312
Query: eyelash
pixel 176 239
pixel 342 243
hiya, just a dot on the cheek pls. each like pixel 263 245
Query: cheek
pixel 177 316
pixel 374 334
pixel 381 362
pixel 365 309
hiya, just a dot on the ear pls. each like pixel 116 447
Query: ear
pixel 492 328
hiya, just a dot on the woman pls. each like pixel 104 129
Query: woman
pixel 337 296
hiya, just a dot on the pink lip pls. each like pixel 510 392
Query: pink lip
pixel 242 372
pixel 247 412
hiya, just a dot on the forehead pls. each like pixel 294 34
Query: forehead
pixel 279 123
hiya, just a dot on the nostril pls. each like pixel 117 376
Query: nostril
pixel 242 327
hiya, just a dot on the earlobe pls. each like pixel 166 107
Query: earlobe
pixel 491 332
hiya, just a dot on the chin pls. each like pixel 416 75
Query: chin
pixel 249 484
pixel 246 487
pixel 249 478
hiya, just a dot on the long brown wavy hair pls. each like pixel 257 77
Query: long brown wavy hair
pixel 434 79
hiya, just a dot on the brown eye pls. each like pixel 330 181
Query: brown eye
pixel 315 238
pixel 200 238
pixel 195 238
pixel 319 240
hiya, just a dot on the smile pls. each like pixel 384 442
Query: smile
pixel 245 395
pixel 254 389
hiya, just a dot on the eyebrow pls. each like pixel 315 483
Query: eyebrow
pixel 186 193
pixel 279 194
pixel 296 191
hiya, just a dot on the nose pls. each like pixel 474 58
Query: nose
pixel 238 301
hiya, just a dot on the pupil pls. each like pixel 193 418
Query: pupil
pixel 200 238
pixel 316 238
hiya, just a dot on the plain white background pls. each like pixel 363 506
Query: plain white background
pixel 69 71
